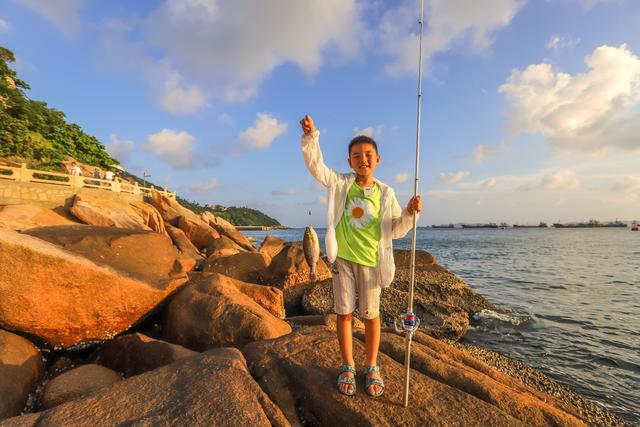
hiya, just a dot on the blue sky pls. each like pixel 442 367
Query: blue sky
pixel 531 108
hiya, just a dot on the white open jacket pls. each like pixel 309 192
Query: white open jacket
pixel 395 222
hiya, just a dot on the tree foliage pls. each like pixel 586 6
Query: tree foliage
pixel 31 130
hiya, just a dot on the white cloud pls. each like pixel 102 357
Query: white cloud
pixel 585 112
pixel 236 44
pixel 179 98
pixel 489 183
pixel 558 42
pixel 119 149
pixel 264 131
pixel 480 153
pixel 401 177
pixel 64 14
pixel 322 200
pixel 560 180
pixel 452 178
pixel 448 23
pixel 4 26
pixel 288 191
pixel 203 188
pixel 629 184
pixel 372 131
pixel 225 119
pixel 176 148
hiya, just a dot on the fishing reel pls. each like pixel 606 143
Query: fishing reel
pixel 406 323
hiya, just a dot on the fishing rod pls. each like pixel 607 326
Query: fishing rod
pixel 409 322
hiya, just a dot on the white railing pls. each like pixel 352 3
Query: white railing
pixel 75 182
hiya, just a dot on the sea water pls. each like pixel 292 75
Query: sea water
pixel 571 297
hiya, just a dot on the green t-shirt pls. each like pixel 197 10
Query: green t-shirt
pixel 358 231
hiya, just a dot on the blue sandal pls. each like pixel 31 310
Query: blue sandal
pixel 373 369
pixel 347 380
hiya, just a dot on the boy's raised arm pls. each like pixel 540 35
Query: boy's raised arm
pixel 313 155
pixel 402 219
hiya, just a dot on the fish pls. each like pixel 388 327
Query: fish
pixel 311 249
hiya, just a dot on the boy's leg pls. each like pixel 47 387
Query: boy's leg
pixel 372 343
pixel 369 293
pixel 345 340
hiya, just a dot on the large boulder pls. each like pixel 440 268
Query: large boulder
pixel 66 299
pixel 23 217
pixel 272 246
pixel 223 246
pixel 290 272
pixel 135 354
pixel 225 228
pixel 249 267
pixel 99 211
pixel 187 249
pixel 212 389
pixel 21 368
pixel 442 301
pixel 298 371
pixel 200 234
pixel 140 254
pixel 76 383
pixel 170 209
pixel 212 311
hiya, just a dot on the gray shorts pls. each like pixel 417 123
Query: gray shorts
pixel 349 278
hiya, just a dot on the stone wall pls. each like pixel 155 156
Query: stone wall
pixel 51 195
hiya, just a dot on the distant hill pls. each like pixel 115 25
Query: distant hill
pixel 39 135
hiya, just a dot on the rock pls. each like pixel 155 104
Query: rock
pixel 66 299
pixel 214 388
pixel 94 210
pixel 291 274
pixel 249 267
pixel 298 371
pixel 139 254
pixel 76 383
pixel 272 246
pixel 442 301
pixel 134 354
pixel 225 228
pixel 328 320
pixel 211 311
pixel 23 217
pixel 170 209
pixel 21 368
pixel 201 235
pixel 183 244
pixel 223 246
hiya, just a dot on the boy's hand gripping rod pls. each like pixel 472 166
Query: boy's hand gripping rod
pixel 409 322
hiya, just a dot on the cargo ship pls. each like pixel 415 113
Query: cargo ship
pixel 541 225
pixel 443 226
pixel 592 224
pixel 489 225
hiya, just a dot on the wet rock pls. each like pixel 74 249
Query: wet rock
pixel 21 368
pixel 212 311
pixel 98 211
pixel 66 299
pixel 76 383
pixel 23 217
pixel 140 254
pixel 214 388
pixel 134 354
pixel 245 266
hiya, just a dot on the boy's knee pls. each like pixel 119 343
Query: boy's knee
pixel 345 317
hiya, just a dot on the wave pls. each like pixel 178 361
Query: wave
pixel 490 316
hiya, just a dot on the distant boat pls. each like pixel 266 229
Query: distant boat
pixel 592 224
pixel 443 226
pixel 490 225
pixel 541 225
pixel 635 226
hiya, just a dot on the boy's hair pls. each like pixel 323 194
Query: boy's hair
pixel 363 139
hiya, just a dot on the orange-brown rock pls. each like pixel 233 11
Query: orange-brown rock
pixel 76 383
pixel 67 299
pixel 170 209
pixel 249 267
pixel 298 371
pixel 225 228
pixel 196 230
pixel 23 217
pixel 134 354
pixel 211 389
pixel 21 368
pixel 98 211
pixel 402 258
pixel 328 320
pixel 211 312
pixel 223 246
pixel 272 246
pixel 144 255
pixel 190 255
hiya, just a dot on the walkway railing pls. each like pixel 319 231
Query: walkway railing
pixel 75 182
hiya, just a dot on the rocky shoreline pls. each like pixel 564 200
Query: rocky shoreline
pixel 106 304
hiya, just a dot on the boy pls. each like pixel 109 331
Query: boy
pixel 363 216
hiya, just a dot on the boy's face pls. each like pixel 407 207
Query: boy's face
pixel 363 159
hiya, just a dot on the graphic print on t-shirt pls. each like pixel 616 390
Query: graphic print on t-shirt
pixel 359 212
